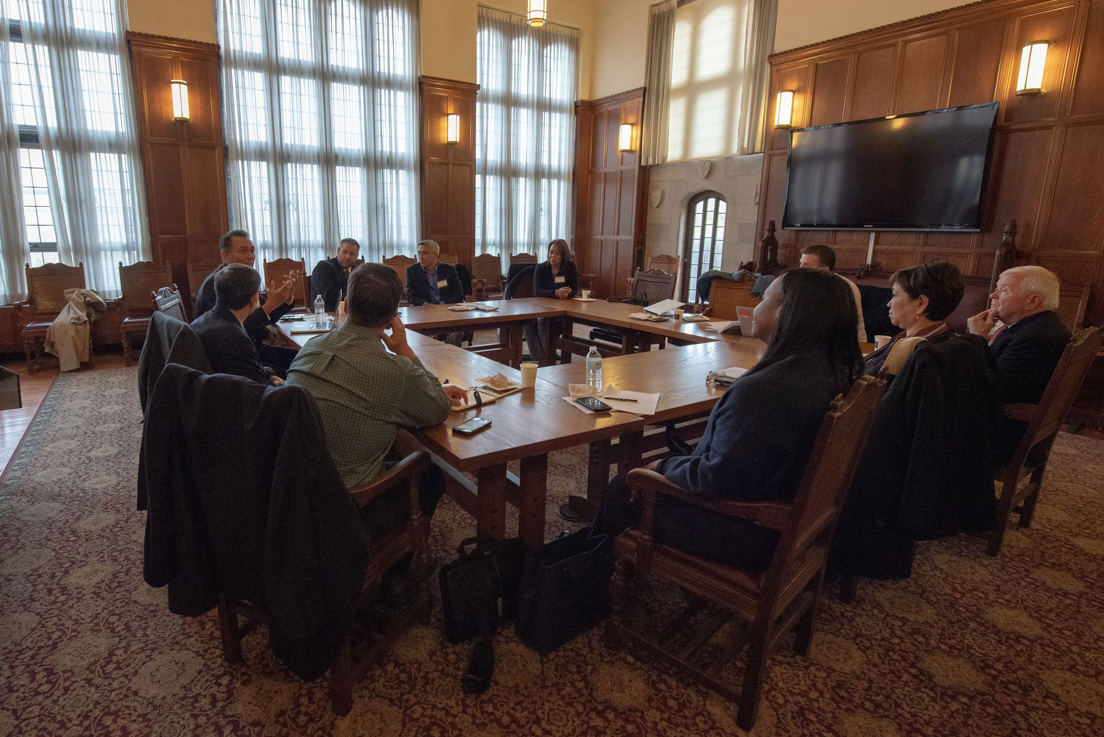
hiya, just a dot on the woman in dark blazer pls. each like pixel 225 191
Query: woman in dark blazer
pixel 760 434
pixel 556 278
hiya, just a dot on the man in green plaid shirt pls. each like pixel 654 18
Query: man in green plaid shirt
pixel 365 393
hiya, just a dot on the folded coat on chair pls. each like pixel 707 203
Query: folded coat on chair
pixel 67 336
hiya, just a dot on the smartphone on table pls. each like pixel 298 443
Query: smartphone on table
pixel 593 404
pixel 472 426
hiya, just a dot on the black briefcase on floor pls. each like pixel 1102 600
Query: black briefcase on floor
pixel 480 587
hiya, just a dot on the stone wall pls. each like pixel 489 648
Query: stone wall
pixel 671 187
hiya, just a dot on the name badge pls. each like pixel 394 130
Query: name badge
pixel 561 279
pixel 442 283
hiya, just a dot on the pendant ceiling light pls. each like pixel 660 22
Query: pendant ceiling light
pixel 538 12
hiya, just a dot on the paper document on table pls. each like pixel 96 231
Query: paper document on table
pixel 636 403
pixel 722 326
pixel 664 307
pixel 735 372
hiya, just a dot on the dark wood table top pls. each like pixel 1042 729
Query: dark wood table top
pixel 434 317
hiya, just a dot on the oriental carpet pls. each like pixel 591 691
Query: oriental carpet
pixel 970 645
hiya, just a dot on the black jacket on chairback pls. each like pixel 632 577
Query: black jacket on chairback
pixel 244 500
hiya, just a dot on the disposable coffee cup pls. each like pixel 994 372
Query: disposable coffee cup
pixel 678 315
pixel 880 341
pixel 584 293
pixel 528 375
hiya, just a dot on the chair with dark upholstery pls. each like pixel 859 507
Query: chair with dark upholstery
pixel 773 601
pixel 139 283
pixel 277 272
pixel 648 287
pixel 169 302
pixel 488 280
pixel 1029 461
pixel 46 286
pixel 520 281
pixel 198 271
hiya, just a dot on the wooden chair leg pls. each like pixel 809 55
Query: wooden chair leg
pixel 28 349
pixel 753 677
pixel 621 574
pixel 1028 512
pixel 341 682
pixel 229 632
pixel 803 630
pixel 849 588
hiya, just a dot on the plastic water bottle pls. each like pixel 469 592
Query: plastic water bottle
pixel 594 369
pixel 319 306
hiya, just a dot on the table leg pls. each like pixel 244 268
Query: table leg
pixel 631 452
pixel 490 503
pixel 581 509
pixel 532 498
pixel 511 336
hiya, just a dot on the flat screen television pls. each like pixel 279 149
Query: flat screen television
pixel 919 171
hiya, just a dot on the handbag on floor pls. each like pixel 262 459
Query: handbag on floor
pixel 564 589
pixel 480 587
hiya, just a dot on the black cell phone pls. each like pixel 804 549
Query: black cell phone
pixel 472 426
pixel 597 405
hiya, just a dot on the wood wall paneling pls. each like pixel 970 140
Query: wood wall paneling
pixel 1047 148
pixel 447 170
pixel 610 191
pixel 182 161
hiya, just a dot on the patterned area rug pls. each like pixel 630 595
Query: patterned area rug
pixel 970 645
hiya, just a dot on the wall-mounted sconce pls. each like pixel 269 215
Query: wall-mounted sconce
pixel 783 109
pixel 180 99
pixel 453 128
pixel 625 137
pixel 538 13
pixel 1032 62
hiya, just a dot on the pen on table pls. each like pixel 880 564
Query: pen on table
pixel 619 399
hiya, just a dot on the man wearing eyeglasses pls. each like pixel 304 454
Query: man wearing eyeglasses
pixel 431 282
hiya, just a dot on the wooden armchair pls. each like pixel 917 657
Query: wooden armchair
pixel 139 282
pixel 523 258
pixel 448 258
pixel 647 286
pixel 278 272
pixel 198 271
pixel 488 281
pixel 663 262
pixel 400 264
pixel 46 287
pixel 1029 461
pixel 772 601
pixel 355 659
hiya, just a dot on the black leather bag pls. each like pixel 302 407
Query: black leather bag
pixel 480 588
pixel 564 590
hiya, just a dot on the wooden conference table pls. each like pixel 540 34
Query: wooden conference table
pixel 530 424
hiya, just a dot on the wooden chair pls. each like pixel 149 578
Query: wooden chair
pixel 488 281
pixel 725 296
pixel 139 283
pixel 365 646
pixel 448 258
pixel 198 271
pixel 400 264
pixel 1044 420
pixel 46 287
pixel 663 262
pixel 772 601
pixel 523 258
pixel 278 271
pixel 169 302
pixel 1073 301
pixel 650 287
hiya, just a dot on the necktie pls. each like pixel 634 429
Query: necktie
pixel 998 334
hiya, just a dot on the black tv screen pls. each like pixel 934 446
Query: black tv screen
pixel 920 171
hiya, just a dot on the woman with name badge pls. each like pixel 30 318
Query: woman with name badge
pixel 556 278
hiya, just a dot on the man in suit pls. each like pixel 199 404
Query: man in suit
pixel 221 330
pixel 824 258
pixel 1030 343
pixel 431 282
pixel 330 277
pixel 1028 346
pixel 236 247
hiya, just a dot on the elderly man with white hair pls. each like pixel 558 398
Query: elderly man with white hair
pixel 1029 344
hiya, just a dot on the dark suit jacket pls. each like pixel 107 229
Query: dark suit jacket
pixel 274 525
pixel 228 348
pixel 1027 354
pixel 255 325
pixel 331 281
pixel 755 448
pixel 417 285
pixel 544 281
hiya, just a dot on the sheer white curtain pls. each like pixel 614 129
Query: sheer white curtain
pixel 718 77
pixel 320 116
pixel 657 78
pixel 525 117
pixel 12 229
pixel 72 100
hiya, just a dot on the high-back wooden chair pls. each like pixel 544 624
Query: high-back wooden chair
pixel 488 280
pixel 198 271
pixel 1029 461
pixel 725 296
pixel 400 264
pixel 139 281
pixel 773 601
pixel 663 262
pixel 278 271
pixel 448 258
pixel 523 258
pixel 46 287
pixel 653 286
pixel 1073 301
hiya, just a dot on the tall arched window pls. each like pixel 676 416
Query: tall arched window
pixel 704 239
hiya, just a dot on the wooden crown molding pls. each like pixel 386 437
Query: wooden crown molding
pixel 959 15
pixel 618 98
pixel 152 41
pixel 448 84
